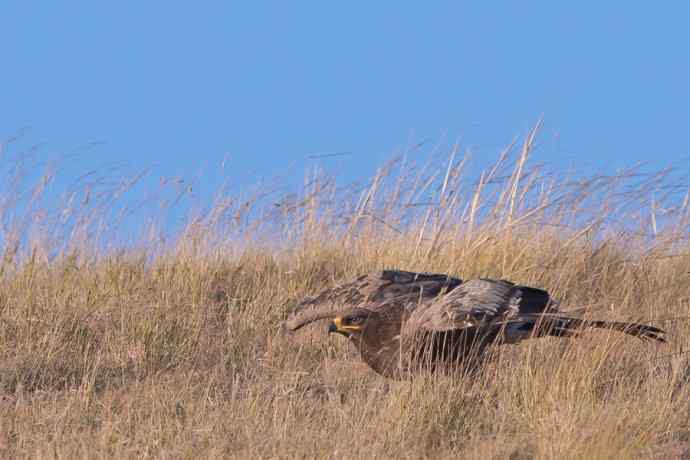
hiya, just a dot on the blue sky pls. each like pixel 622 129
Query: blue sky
pixel 183 85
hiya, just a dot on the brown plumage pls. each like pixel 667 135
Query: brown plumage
pixel 402 322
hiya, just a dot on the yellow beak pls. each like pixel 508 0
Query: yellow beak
pixel 338 326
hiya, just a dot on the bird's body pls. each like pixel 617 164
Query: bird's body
pixel 402 322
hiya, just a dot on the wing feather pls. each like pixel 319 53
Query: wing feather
pixel 375 289
pixel 478 303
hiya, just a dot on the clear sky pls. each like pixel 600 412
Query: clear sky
pixel 183 85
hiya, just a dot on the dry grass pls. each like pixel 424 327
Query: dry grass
pixel 173 350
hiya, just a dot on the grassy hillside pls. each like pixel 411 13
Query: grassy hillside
pixel 173 350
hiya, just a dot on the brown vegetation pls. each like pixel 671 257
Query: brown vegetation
pixel 174 350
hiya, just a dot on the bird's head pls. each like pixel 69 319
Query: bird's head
pixel 366 327
pixel 353 323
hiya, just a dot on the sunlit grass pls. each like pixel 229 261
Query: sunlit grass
pixel 171 347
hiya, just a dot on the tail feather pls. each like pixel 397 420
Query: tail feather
pixel 562 326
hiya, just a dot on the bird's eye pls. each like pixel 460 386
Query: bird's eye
pixel 355 319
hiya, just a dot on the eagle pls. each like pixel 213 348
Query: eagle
pixel 404 322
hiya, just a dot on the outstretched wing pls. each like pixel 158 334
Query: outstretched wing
pixel 384 287
pixel 478 303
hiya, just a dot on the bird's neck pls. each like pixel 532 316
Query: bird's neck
pixel 382 350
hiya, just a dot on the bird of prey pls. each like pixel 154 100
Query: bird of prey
pixel 402 322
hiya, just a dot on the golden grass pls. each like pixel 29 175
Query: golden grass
pixel 174 350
